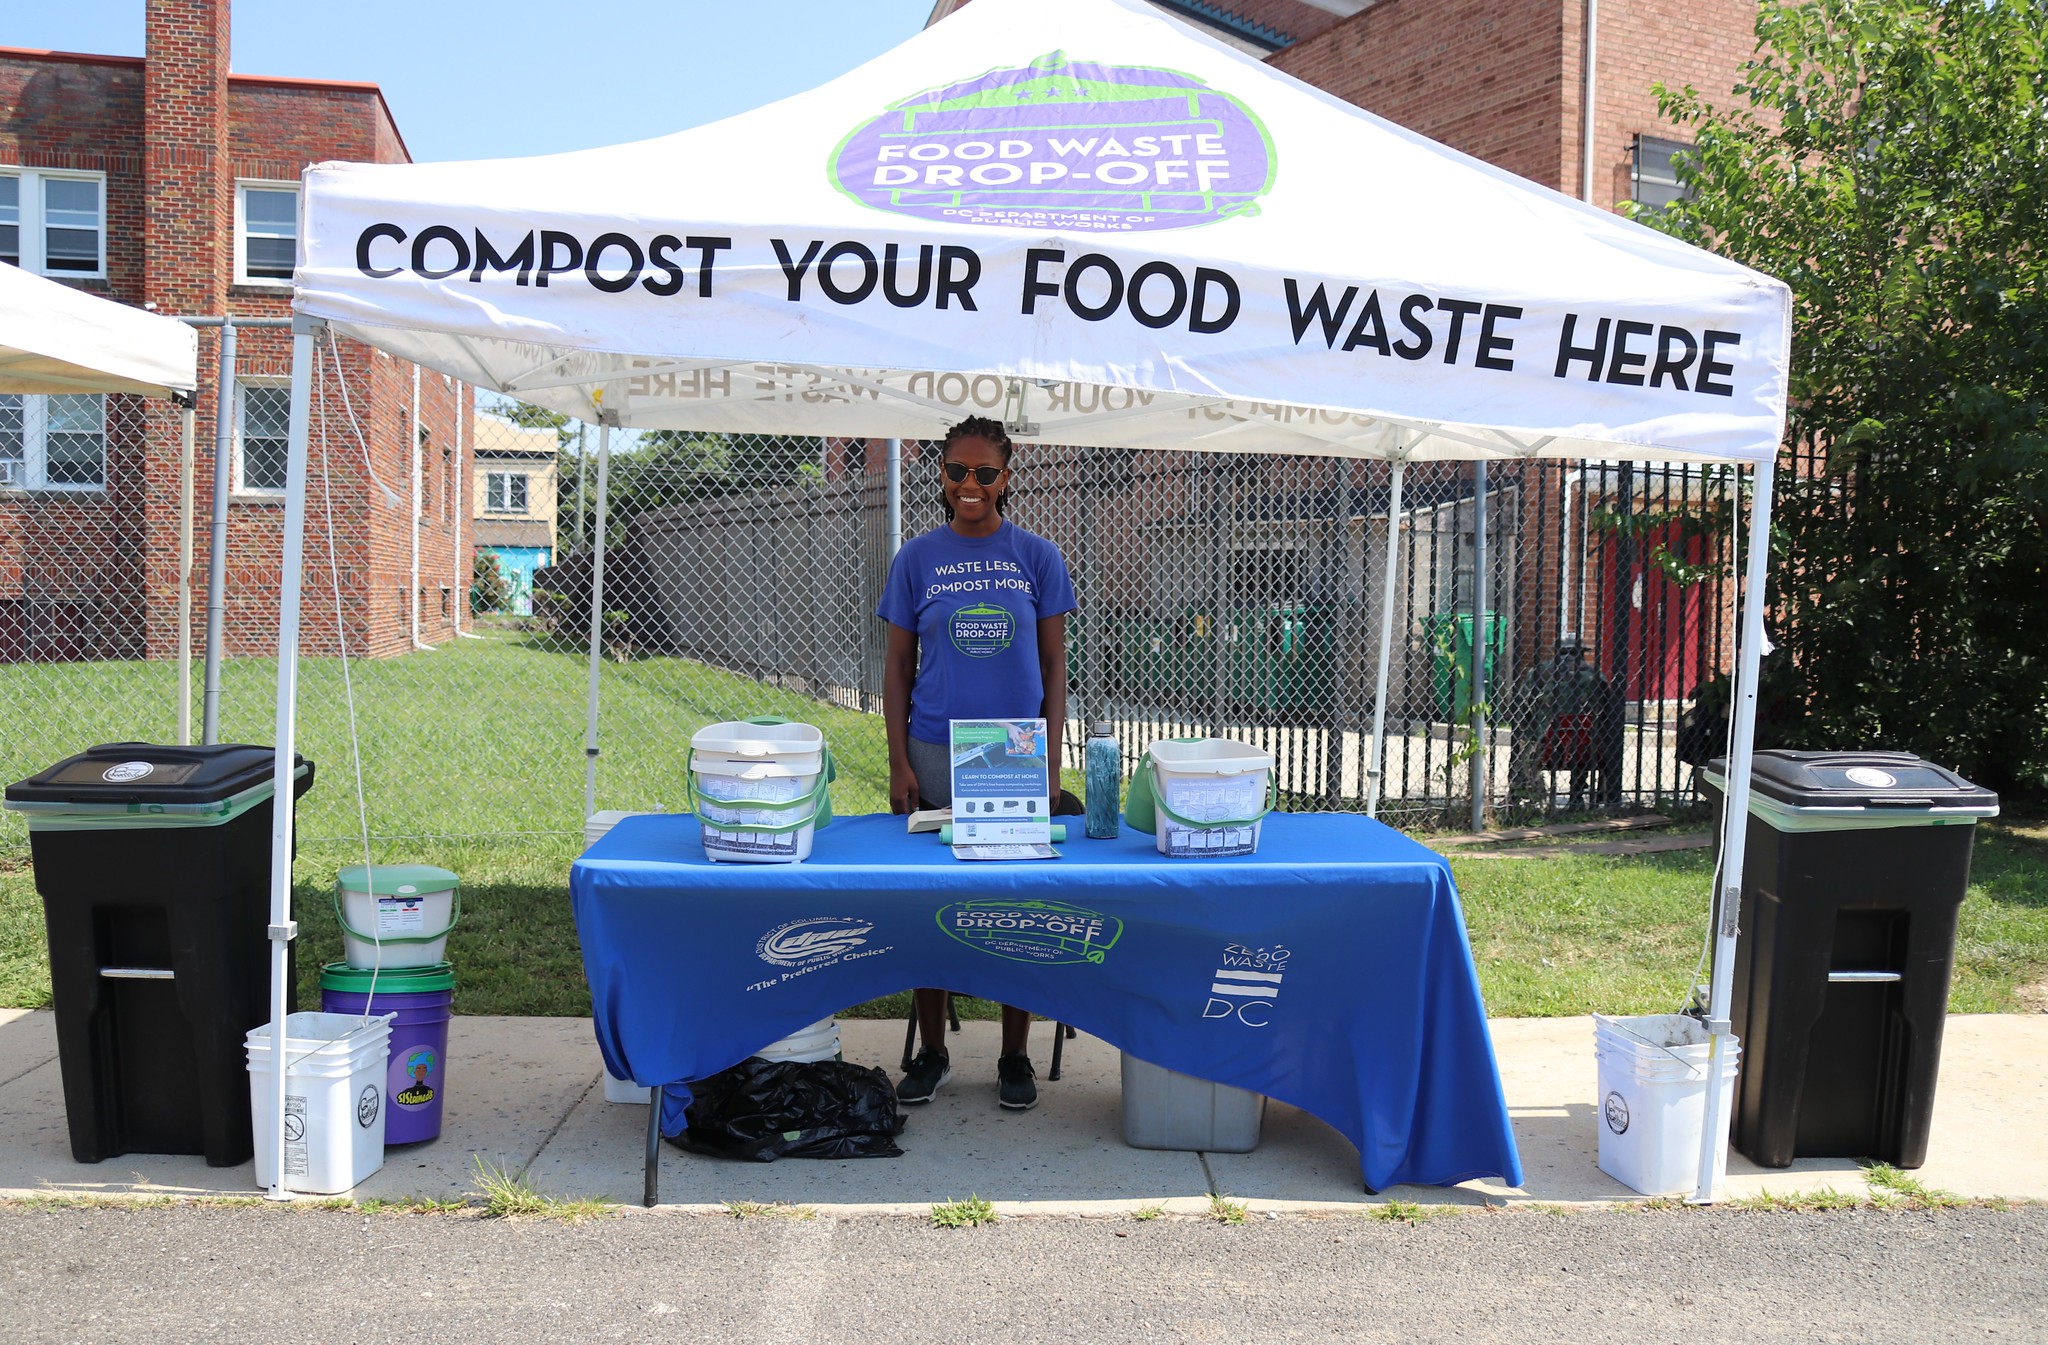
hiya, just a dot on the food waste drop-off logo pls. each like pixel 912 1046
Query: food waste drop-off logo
pixel 1050 932
pixel 1062 144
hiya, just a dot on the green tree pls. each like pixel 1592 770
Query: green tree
pixel 489 586
pixel 1889 160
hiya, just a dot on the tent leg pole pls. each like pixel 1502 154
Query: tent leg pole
pixel 895 470
pixel 282 928
pixel 604 474
pixel 650 1181
pixel 1375 765
pixel 1734 836
pixel 186 453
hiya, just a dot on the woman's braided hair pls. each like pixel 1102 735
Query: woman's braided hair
pixel 977 427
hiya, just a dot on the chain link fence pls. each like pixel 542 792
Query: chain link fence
pixel 450 554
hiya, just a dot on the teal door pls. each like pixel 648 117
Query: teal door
pixel 518 563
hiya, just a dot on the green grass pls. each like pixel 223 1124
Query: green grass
pixel 473 761
pixel 969 1213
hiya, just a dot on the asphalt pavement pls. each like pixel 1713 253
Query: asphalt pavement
pixel 1521 1276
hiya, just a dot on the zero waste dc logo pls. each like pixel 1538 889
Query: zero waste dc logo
pixel 1032 931
pixel 1064 144
pixel 983 630
pixel 813 940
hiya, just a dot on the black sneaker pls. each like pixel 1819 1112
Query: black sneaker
pixel 1016 1091
pixel 923 1078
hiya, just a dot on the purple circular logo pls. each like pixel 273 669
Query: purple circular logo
pixel 1062 145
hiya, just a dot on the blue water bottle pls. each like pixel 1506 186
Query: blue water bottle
pixel 1102 769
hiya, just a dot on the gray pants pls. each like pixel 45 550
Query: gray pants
pixel 933 763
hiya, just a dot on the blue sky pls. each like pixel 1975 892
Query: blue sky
pixel 487 79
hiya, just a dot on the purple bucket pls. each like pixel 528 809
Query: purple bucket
pixel 416 1072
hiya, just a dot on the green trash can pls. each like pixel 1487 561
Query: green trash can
pixel 1450 642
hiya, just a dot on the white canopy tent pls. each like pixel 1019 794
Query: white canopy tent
pixel 1091 222
pixel 55 339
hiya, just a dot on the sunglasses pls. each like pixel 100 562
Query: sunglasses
pixel 987 476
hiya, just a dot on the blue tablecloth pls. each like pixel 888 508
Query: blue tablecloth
pixel 1330 970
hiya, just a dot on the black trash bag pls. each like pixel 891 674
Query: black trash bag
pixel 762 1110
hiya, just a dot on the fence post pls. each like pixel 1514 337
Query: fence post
pixel 1479 643
pixel 1375 767
pixel 606 419
pixel 217 542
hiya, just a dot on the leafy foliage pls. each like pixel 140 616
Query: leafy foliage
pixel 1891 165
pixel 489 586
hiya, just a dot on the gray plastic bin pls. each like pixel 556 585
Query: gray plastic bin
pixel 1168 1110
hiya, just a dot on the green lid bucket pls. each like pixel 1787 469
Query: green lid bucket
pixel 340 976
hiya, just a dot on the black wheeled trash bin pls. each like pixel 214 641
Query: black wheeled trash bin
pixel 1856 863
pixel 154 867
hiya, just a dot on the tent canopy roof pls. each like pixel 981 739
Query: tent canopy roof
pixel 56 339
pixel 1080 217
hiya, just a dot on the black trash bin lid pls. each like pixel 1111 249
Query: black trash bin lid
pixel 1860 780
pixel 152 773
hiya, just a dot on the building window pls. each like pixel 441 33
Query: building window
pixel 266 232
pixel 53 443
pixel 263 417
pixel 53 223
pixel 1653 177
pixel 505 492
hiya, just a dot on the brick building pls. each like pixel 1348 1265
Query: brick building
pixel 166 181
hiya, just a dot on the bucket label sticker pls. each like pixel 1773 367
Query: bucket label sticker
pixel 401 915
pixel 368 1105
pixel 1051 932
pixel 297 1161
pixel 418 1067
pixel 1062 144
pixel 122 773
pixel 1615 1110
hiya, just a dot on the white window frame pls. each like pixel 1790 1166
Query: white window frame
pixel 525 489
pixel 242 188
pixel 35 444
pixel 242 487
pixel 34 222
pixel 1647 181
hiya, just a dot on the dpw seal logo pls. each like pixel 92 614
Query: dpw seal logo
pixel 1032 931
pixel 983 630
pixel 1615 1109
pixel 126 771
pixel 801 942
pixel 368 1105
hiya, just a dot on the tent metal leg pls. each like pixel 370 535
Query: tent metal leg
pixel 650 1193
pixel 1375 763
pixel 1727 903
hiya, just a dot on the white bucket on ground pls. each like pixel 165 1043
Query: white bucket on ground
pixel 334 1100
pixel 819 1041
pixel 1219 787
pixel 757 776
pixel 1653 1100
pixel 625 1090
pixel 603 820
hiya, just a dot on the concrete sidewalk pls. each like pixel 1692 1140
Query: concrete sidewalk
pixel 527 1092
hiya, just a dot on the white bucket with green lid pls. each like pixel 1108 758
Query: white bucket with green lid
pixel 760 788
pixel 396 915
pixel 1209 795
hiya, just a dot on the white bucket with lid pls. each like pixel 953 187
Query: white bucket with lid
pixel 1653 1100
pixel 334 1100
pixel 819 1041
pixel 396 915
pixel 761 789
pixel 1209 795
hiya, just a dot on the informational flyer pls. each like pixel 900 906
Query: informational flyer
pixel 1001 784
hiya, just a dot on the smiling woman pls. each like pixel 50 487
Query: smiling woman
pixel 985 603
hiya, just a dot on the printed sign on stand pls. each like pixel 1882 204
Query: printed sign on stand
pixel 1001 789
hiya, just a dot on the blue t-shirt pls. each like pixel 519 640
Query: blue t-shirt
pixel 974 604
